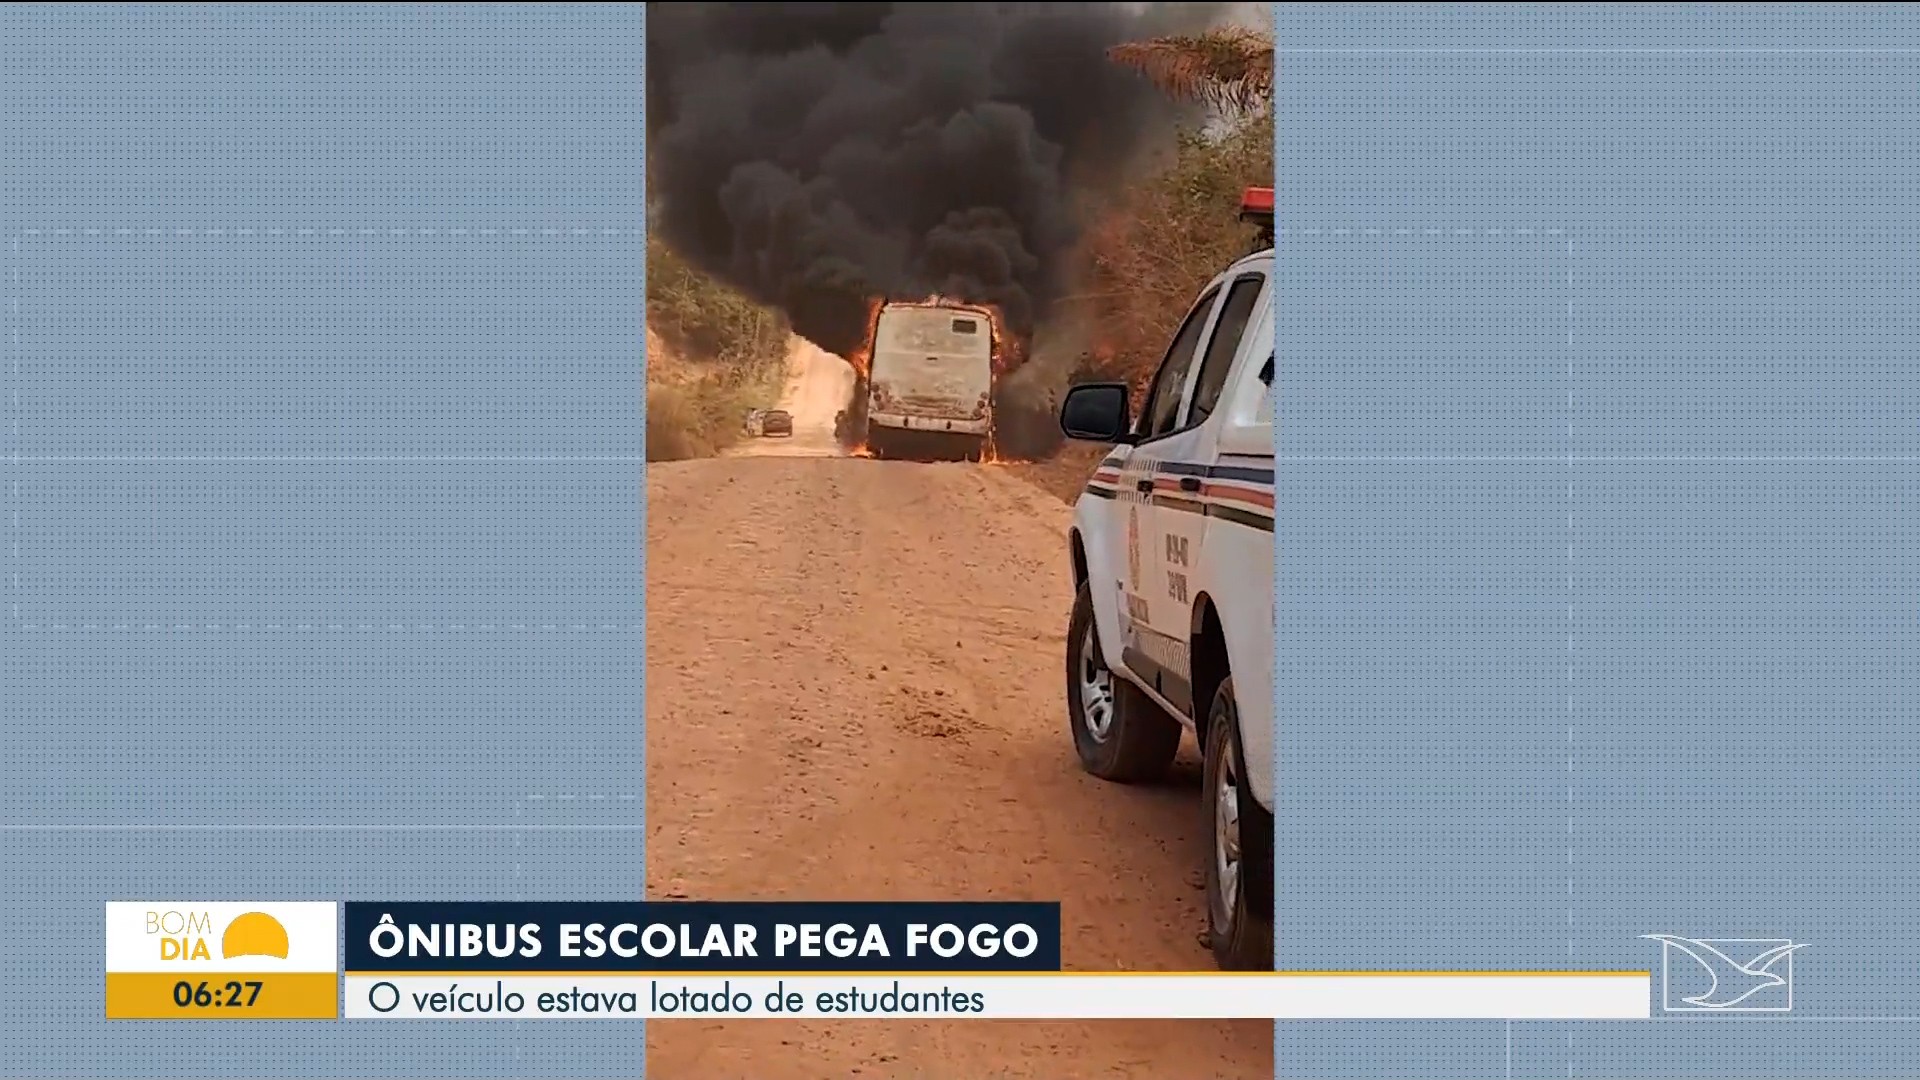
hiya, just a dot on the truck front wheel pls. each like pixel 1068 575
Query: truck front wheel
pixel 1118 732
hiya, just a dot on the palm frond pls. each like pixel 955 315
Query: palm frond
pixel 1230 68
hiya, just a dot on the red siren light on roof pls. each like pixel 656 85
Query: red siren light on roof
pixel 1257 206
pixel 1256 203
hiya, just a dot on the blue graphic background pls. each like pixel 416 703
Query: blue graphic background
pixel 1598 590
pixel 322 503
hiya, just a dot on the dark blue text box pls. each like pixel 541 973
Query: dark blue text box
pixel 696 936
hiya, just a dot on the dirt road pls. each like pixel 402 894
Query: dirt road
pixel 855 691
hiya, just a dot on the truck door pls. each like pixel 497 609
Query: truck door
pixel 1145 605
pixel 1186 456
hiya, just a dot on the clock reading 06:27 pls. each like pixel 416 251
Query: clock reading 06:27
pixel 234 995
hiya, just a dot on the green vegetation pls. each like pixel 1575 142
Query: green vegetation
pixel 712 354
pixel 1172 234
pixel 1167 238
pixel 700 317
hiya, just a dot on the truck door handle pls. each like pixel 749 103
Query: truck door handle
pixel 1189 483
pixel 1143 484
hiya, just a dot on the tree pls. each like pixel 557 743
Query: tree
pixel 1230 68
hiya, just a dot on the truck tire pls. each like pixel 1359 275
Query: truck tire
pixel 1118 732
pixel 1239 833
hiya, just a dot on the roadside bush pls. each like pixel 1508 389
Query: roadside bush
pixel 1149 256
pixel 711 355
pixel 675 429
pixel 706 321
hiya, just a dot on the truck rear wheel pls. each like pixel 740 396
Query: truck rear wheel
pixel 1239 833
pixel 1118 732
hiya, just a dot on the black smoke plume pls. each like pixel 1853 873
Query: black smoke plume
pixel 819 155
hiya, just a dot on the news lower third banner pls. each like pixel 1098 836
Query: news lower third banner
pixel 862 960
pixel 961 960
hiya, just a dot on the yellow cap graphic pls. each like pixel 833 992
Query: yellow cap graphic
pixel 255 933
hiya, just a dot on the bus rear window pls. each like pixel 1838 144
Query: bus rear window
pixel 965 326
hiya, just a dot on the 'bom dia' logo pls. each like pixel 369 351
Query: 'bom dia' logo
pixel 231 959
pixel 184 935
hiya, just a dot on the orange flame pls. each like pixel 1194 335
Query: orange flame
pixel 862 358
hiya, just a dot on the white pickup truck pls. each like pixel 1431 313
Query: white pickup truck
pixel 1173 564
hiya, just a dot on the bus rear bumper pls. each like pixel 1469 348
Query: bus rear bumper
pixel 929 423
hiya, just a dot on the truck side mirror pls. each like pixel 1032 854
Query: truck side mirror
pixel 1097 412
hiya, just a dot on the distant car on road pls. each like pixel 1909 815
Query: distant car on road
pixel 776 422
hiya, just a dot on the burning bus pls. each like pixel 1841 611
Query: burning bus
pixel 929 381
